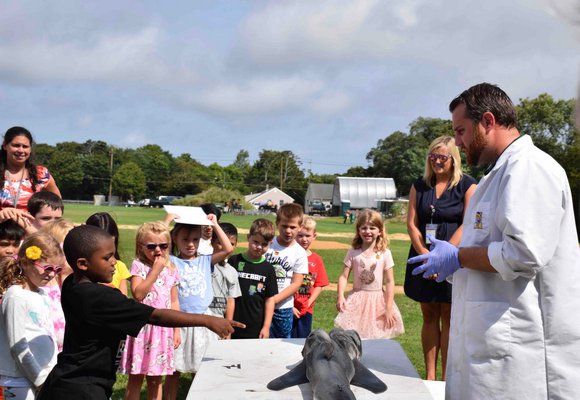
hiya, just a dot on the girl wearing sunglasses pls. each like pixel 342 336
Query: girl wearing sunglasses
pixel 28 346
pixel 153 282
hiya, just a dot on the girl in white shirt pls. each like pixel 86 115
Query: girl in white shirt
pixel 27 342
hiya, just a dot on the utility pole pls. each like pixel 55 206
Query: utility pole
pixel 281 175
pixel 111 173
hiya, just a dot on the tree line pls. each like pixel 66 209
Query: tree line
pixel 95 167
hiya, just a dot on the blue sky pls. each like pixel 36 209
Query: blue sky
pixel 324 79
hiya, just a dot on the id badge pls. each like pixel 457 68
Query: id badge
pixel 430 229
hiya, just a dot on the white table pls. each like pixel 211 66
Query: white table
pixel 241 369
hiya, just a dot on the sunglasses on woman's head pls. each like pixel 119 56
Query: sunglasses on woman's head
pixel 57 269
pixel 435 157
pixel 153 246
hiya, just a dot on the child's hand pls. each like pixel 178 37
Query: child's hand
pixel 296 312
pixel 340 304
pixel 176 337
pixel 22 218
pixel 222 327
pixel 264 333
pixel 212 218
pixel 170 217
pixel 391 318
pixel 159 262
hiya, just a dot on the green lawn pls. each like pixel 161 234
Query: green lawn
pixel 325 311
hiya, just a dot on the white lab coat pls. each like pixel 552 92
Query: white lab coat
pixel 516 334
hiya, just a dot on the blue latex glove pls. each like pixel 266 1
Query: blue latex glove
pixel 442 259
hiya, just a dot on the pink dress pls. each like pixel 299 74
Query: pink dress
pixel 365 306
pixel 151 352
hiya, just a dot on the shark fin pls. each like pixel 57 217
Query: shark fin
pixel 295 376
pixel 364 378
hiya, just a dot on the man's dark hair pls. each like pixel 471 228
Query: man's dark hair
pixel 210 208
pixel 82 242
pixel 44 198
pixel 483 98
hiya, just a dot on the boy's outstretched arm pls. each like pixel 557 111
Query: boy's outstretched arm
pixel 172 318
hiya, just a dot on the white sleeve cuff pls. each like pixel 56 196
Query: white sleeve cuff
pixel 494 252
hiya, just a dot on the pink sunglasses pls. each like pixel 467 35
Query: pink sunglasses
pixel 57 269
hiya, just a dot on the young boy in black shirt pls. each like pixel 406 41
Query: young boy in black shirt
pixel 98 319
pixel 257 278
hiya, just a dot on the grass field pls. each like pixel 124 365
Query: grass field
pixel 325 312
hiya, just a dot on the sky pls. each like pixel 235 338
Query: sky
pixel 323 79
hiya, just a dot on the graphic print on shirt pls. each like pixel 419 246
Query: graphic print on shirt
pixel 281 265
pixel 367 276
pixel 192 282
pixel 307 284
pixel 119 354
pixel 253 289
pixel 478 220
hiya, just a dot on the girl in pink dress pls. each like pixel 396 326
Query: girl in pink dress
pixel 153 282
pixel 370 309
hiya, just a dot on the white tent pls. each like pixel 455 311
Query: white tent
pixel 353 192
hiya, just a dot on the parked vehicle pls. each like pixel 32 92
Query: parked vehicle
pixel 158 202
pixel 317 207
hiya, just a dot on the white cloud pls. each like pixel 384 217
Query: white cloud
pixel 330 103
pixel 134 139
pixel 129 58
pixel 308 31
pixel 257 96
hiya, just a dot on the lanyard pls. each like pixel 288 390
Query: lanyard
pixel 435 199
pixel 15 194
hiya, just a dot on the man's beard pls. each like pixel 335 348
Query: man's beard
pixel 477 146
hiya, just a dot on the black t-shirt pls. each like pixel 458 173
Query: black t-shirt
pixel 257 283
pixel 98 320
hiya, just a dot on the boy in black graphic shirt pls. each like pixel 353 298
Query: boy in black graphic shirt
pixel 257 278
pixel 98 319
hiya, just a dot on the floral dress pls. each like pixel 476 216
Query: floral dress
pixel 17 190
pixel 151 352
pixel 365 306
pixel 52 291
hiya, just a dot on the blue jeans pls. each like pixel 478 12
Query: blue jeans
pixel 301 327
pixel 281 323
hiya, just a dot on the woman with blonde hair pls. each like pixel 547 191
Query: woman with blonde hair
pixel 436 204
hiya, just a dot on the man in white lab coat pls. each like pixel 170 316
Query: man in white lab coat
pixel 515 324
